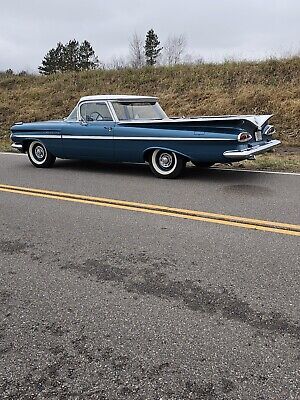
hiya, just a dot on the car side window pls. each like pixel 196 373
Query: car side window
pixel 95 112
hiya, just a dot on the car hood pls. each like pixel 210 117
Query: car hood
pixel 50 126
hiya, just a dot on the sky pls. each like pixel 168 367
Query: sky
pixel 214 29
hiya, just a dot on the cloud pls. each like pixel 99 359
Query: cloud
pixel 214 29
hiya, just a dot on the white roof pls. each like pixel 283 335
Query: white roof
pixel 117 97
pixel 257 120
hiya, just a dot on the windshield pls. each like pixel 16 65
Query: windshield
pixel 138 111
pixel 73 115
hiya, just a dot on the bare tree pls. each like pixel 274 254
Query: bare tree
pixel 192 59
pixel 174 49
pixel 136 48
pixel 118 62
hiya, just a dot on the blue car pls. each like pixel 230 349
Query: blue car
pixel 135 129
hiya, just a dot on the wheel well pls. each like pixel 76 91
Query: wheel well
pixel 148 153
pixel 26 144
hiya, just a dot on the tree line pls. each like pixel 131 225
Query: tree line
pixel 75 56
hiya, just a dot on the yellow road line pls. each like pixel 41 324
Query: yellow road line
pixel 223 219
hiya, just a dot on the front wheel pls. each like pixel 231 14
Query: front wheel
pixel 166 164
pixel 39 156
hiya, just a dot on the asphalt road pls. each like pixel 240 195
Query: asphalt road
pixel 103 303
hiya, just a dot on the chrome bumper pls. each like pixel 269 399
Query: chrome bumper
pixel 248 153
pixel 17 146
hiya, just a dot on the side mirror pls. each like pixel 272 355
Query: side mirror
pixel 83 122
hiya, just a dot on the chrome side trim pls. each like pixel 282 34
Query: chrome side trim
pixel 24 136
pixel 142 138
pixel 244 154
pixel 88 137
pixel 111 137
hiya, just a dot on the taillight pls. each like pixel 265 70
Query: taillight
pixel 269 130
pixel 244 137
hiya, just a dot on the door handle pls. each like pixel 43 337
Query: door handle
pixel 108 128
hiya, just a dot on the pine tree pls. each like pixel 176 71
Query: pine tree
pixel 52 61
pixel 152 49
pixel 87 57
pixel 69 57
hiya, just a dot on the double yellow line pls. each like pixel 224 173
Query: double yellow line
pixel 239 222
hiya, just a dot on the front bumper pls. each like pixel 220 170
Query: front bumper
pixel 249 153
pixel 17 146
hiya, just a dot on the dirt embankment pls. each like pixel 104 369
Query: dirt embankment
pixel 266 87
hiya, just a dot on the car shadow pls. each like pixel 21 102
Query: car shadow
pixel 191 173
pixel 104 168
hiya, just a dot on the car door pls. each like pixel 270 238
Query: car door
pixel 92 135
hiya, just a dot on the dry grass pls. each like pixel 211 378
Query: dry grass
pixel 5 145
pixel 271 86
pixel 272 162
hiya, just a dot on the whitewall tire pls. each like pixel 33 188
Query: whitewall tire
pixel 166 164
pixel 39 156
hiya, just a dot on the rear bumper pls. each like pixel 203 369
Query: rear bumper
pixel 248 153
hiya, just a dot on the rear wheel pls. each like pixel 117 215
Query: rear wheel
pixel 39 156
pixel 203 164
pixel 166 164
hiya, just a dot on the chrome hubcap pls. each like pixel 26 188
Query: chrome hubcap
pixel 165 160
pixel 39 152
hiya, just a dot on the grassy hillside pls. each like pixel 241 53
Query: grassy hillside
pixel 271 86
